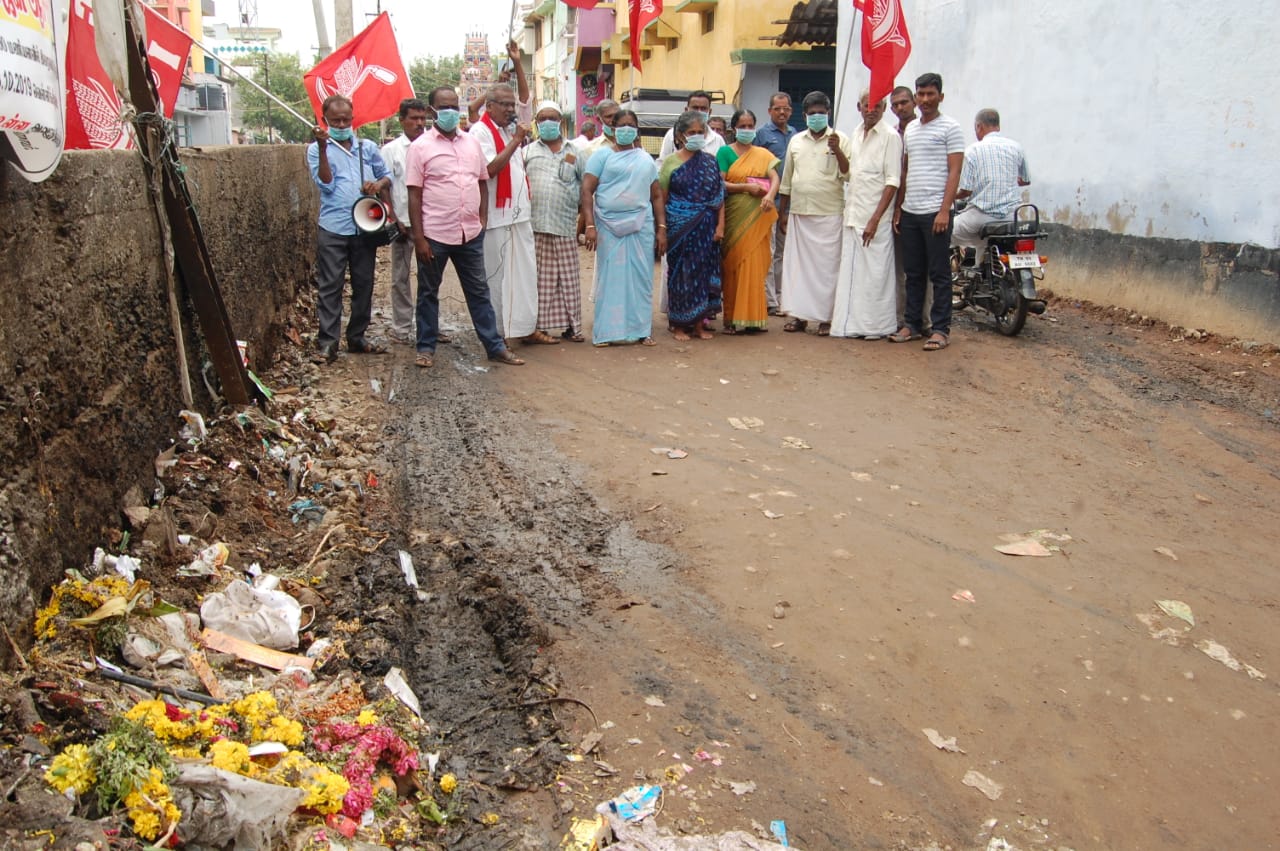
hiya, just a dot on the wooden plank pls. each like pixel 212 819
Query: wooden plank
pixel 250 652
pixel 200 664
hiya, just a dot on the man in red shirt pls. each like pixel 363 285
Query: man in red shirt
pixel 446 173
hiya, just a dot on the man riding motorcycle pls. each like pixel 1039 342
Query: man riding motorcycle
pixel 994 170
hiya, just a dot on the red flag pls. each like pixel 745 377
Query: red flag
pixel 167 50
pixel 93 105
pixel 367 69
pixel 581 4
pixel 885 43
pixel 643 12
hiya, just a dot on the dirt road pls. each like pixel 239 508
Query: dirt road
pixel 781 607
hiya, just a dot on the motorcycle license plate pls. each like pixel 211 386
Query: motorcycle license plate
pixel 1024 261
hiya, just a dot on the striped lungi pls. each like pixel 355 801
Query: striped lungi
pixel 559 281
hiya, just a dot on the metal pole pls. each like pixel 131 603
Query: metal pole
pixel 322 31
pixel 266 79
pixel 343 21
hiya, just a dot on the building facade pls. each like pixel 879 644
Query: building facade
pixel 564 44
pixel 477 68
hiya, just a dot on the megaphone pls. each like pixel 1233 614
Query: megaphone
pixel 369 214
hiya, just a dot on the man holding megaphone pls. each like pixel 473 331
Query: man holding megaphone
pixel 341 165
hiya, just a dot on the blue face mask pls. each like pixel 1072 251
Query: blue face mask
pixel 695 142
pixel 703 115
pixel 608 131
pixel 341 134
pixel 548 131
pixel 816 122
pixel 625 135
pixel 745 135
pixel 447 119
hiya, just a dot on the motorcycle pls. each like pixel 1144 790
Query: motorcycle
pixel 1002 280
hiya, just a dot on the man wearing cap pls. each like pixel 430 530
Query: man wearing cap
pixel 555 171
pixel 509 260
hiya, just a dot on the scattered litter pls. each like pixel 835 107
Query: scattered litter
pixel 584 834
pixel 875 782
pixel 777 644
pixel 741 789
pixel 1202 499
pixel 964 595
pixel 635 804
pixel 207 562
pixel 983 784
pixel 1026 547
pixel 1237 714
pixel 1165 551
pixel 1048 541
pixel 795 443
pixel 194 428
pixel 746 423
pixel 658 473
pixel 943 744
pixel 778 828
pixel 398 686
pixel 1167 634
pixel 590 741
pixel 1177 609
pixel 411 576
pixel 769 372
pixel 913 503
pixel 860 477
pixel 780 611
pixel 1218 653
pixel 677 454
pixel 772 515
pixel 724 381
pixel 220 808
pixel 255 653
pixel 654 700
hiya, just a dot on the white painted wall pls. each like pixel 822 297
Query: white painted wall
pixel 1144 117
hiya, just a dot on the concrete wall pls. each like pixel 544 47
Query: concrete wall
pixel 1145 134
pixel 88 377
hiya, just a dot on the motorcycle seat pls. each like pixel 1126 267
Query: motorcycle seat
pixel 1008 228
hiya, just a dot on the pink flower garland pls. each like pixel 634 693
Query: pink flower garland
pixel 369 746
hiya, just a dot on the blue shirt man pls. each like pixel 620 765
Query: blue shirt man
pixel 775 135
pixel 336 168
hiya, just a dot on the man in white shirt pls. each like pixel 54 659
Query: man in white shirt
pixel 509 261
pixel 866 297
pixel 922 218
pixel 994 170
pixel 584 138
pixel 413 121
pixel 699 101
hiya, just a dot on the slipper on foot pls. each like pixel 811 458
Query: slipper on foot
pixel 904 335
pixel 424 360
pixel 506 357
pixel 937 342
pixel 366 347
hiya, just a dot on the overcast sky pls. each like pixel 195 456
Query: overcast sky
pixel 423 27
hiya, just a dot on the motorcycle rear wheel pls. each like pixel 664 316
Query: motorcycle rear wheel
pixel 1011 320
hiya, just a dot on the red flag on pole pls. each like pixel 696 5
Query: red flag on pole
pixel 581 4
pixel 93 104
pixel 367 69
pixel 167 50
pixel 885 43
pixel 643 12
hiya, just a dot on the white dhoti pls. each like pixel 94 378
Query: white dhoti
pixel 967 225
pixel 810 266
pixel 511 269
pixel 866 291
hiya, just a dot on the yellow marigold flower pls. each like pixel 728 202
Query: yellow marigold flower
pixel 281 729
pixel 448 783
pixel 72 769
pixel 325 789
pixel 151 807
pixel 490 819
pixel 366 718
pixel 231 756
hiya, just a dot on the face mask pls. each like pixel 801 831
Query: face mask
pixel 625 135
pixel 816 122
pixel 745 135
pixel 548 131
pixel 696 142
pixel 447 119
pixel 703 115
pixel 608 131
pixel 340 134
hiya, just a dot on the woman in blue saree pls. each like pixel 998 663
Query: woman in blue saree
pixel 622 201
pixel 693 195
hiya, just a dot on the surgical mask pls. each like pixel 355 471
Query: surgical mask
pixel 816 122
pixel 608 131
pixel 745 135
pixel 703 115
pixel 695 142
pixel 340 134
pixel 548 131
pixel 625 135
pixel 447 119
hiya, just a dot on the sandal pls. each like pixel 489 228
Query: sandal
pixel 506 357
pixel 541 338
pixel 937 342
pixel 904 335
pixel 424 360
pixel 572 336
pixel 824 329
pixel 648 341
pixel 364 347
pixel 729 329
pixel 795 325
pixel 601 345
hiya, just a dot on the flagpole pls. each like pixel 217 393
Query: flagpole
pixel 844 68
pixel 250 81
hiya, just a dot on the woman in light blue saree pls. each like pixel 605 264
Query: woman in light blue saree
pixel 622 202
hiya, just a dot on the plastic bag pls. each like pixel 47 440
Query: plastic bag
pixel 219 807
pixel 267 617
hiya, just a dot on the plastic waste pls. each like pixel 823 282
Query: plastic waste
pixel 220 808
pixel 207 562
pixel 269 618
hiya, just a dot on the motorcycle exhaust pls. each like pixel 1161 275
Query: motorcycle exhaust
pixel 1036 306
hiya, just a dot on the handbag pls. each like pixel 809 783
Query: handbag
pixel 390 231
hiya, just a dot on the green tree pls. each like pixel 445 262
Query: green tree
pixel 280 74
pixel 427 72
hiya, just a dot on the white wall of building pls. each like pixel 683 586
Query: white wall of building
pixel 1142 118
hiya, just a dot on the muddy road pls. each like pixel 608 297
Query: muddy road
pixel 767 625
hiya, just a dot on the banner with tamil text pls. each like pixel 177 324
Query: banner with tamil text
pixel 31 93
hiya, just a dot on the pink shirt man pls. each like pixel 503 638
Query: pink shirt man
pixel 449 171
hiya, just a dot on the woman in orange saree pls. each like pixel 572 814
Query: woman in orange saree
pixel 751 184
